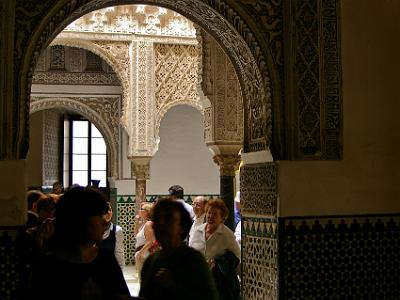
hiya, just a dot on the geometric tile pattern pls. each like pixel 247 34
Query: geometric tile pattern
pixel 259 258
pixel 126 219
pixel 355 257
pixel 126 211
pixel 9 278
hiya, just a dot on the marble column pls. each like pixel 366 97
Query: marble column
pixel 228 163
pixel 141 172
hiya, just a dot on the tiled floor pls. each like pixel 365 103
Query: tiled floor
pixel 132 279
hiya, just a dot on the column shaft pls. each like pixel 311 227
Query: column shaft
pixel 228 163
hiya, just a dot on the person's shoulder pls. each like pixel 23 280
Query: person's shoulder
pixel 223 229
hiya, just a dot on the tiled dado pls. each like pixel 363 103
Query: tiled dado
pixel 259 258
pixel 8 264
pixel 339 257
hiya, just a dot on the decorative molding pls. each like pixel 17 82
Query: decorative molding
pixel 134 19
pixel 101 111
pixel 66 78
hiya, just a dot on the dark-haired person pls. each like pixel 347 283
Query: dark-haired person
pixel 177 271
pixel 74 267
pixel 113 239
pixel 218 244
pixel 176 193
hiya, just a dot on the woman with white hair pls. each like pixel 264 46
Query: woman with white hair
pixel 220 249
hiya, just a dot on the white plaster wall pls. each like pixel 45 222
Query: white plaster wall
pixel 367 180
pixel 182 157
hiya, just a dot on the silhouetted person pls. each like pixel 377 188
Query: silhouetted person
pixel 177 272
pixel 32 197
pixel 74 267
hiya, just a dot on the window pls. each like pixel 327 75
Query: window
pixel 85 153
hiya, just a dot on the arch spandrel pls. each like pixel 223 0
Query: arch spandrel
pixel 78 106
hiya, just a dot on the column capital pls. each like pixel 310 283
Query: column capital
pixel 228 163
pixel 140 167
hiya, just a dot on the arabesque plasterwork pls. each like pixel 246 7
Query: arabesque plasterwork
pixel 116 54
pixel 101 111
pixel 130 51
pixel 176 78
pixel 221 86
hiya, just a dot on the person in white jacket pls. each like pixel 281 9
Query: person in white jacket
pixel 213 238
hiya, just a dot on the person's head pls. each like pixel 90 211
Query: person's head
pixel 171 223
pixel 145 210
pixel 216 212
pixel 80 217
pixel 176 192
pixel 46 206
pixel 199 205
pixel 32 197
pixel 57 188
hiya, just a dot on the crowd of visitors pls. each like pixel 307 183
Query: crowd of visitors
pixel 72 249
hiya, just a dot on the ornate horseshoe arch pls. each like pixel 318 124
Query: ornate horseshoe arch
pixel 116 54
pixel 38 104
pixel 251 69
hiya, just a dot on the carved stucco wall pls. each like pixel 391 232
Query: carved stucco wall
pixel 176 78
pixel 116 54
pixel 224 121
pixel 101 111
pixel 79 67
